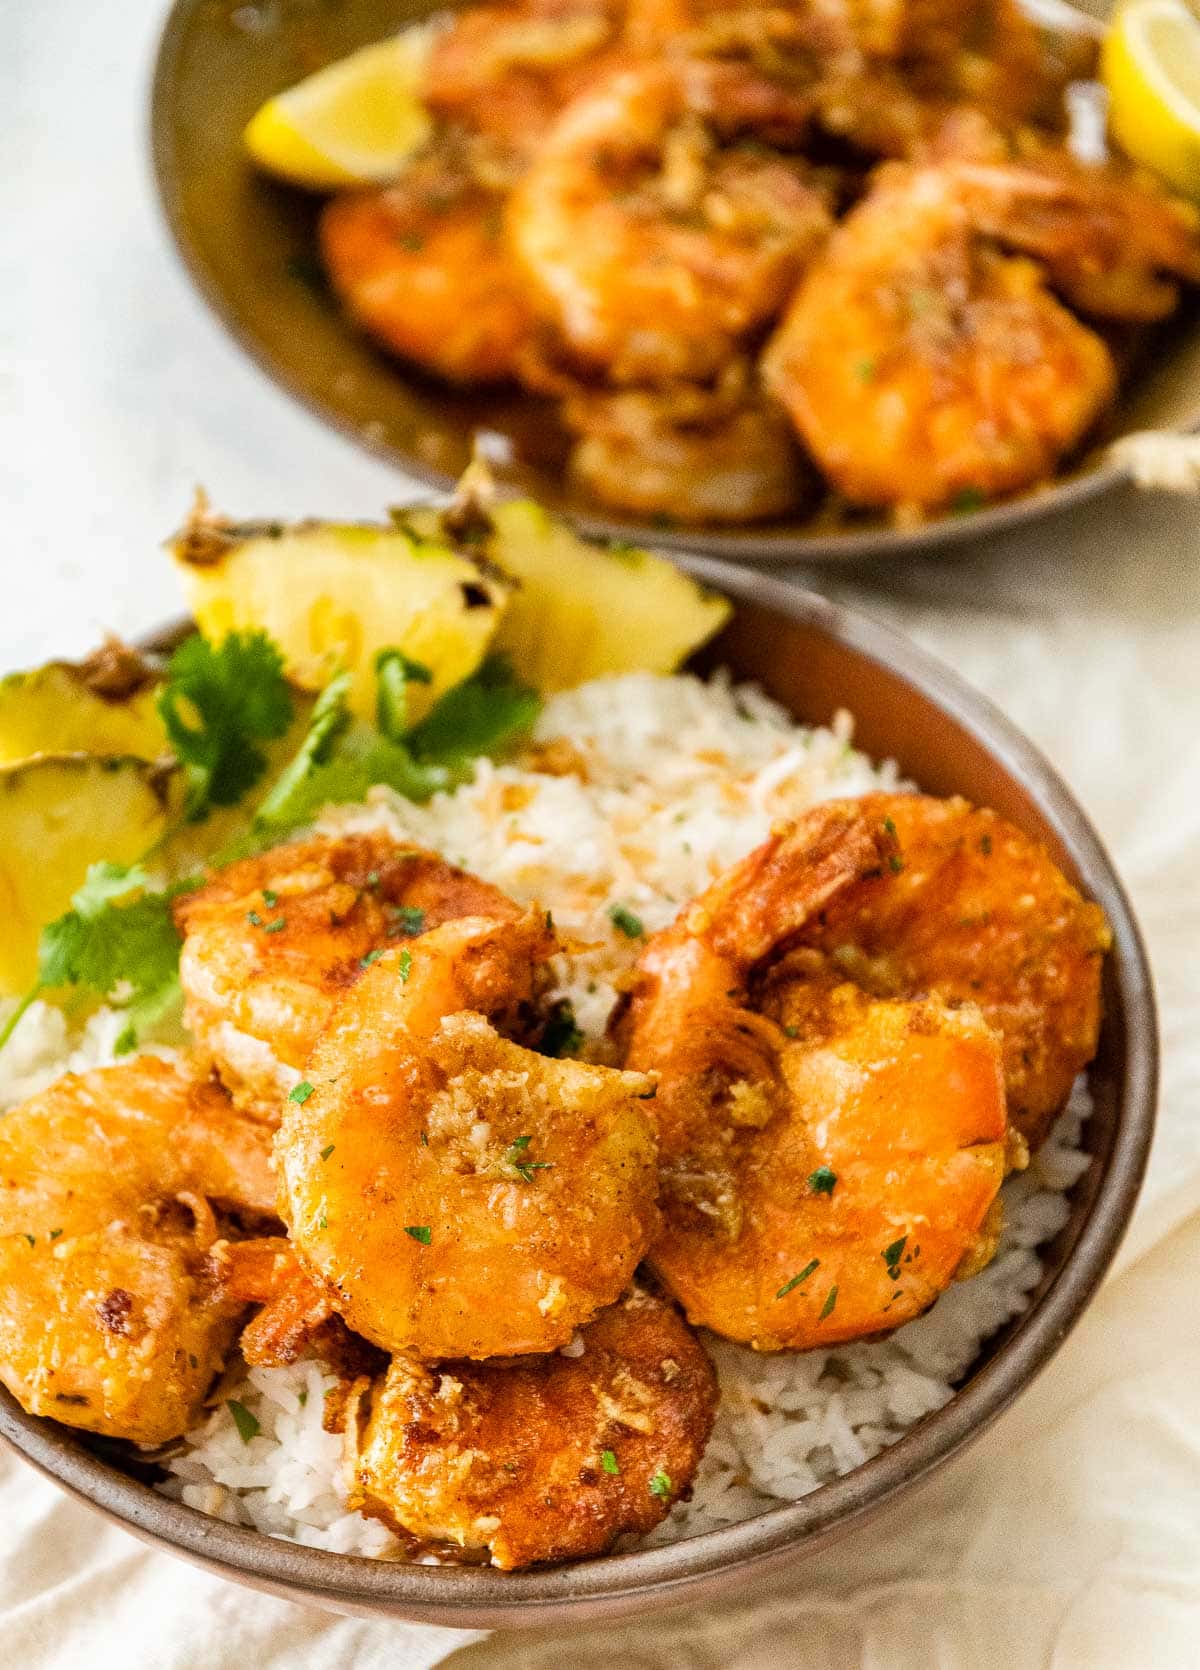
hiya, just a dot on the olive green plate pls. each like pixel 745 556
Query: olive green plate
pixel 249 245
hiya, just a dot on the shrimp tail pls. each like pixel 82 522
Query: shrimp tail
pixel 777 891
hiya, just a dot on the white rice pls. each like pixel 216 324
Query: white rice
pixel 679 779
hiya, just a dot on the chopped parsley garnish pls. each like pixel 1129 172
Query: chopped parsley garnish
pixel 892 1256
pixel 791 1031
pixel 985 845
pixel 405 966
pixel 865 370
pixel 302 1396
pixel 419 1232
pixel 300 1093
pixel 371 957
pixel 54 1234
pixel 276 927
pixel 609 1462
pixel 322 1222
pixel 827 1307
pixel 660 1485
pixel 326 1152
pixel 807 1271
pixel 247 1423
pixel 895 863
pixel 626 922
pixel 822 1180
pixel 968 499
pixel 270 897
pixel 32 1239
pixel 408 919
pixel 254 919
pixel 514 1159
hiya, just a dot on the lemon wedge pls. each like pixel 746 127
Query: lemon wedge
pixel 1151 68
pixel 352 123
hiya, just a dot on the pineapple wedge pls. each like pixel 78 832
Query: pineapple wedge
pixel 104 705
pixel 581 610
pixel 58 814
pixel 335 594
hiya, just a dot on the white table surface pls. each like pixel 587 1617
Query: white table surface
pixel 118 395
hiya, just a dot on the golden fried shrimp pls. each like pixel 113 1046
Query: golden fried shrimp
pixel 1113 242
pixel 271 943
pixel 460 1195
pixel 829 1161
pixel 969 909
pixel 921 367
pixel 111 1184
pixel 296 1318
pixel 994 56
pixel 423 267
pixel 654 239
pixel 696 454
pixel 505 71
pixel 545 1458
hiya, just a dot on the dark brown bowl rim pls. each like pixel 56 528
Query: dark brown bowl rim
pixel 1099 475
pixel 622 1583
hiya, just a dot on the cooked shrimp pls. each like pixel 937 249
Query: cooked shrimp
pixel 460 1195
pixel 273 941
pixel 505 71
pixel 1113 242
pixel 993 55
pixel 655 241
pixel 297 1318
pixel 921 366
pixel 969 909
pixel 110 1186
pixel 720 454
pixel 547 1458
pixel 424 268
pixel 829 1161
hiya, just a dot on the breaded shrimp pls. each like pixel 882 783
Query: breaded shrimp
pixel 423 266
pixel 271 943
pixel 970 910
pixel 828 1161
pixel 297 1318
pixel 110 1182
pixel 720 454
pixel 457 1194
pixel 546 1458
pixel 656 240
pixel 922 367
pixel 505 71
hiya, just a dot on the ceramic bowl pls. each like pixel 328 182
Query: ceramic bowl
pixel 815 658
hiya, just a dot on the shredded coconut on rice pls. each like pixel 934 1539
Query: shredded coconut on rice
pixel 634 794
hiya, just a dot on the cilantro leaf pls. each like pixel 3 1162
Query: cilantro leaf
pixel 218 701
pixel 338 760
pixel 117 933
pixel 483 715
pixel 394 672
